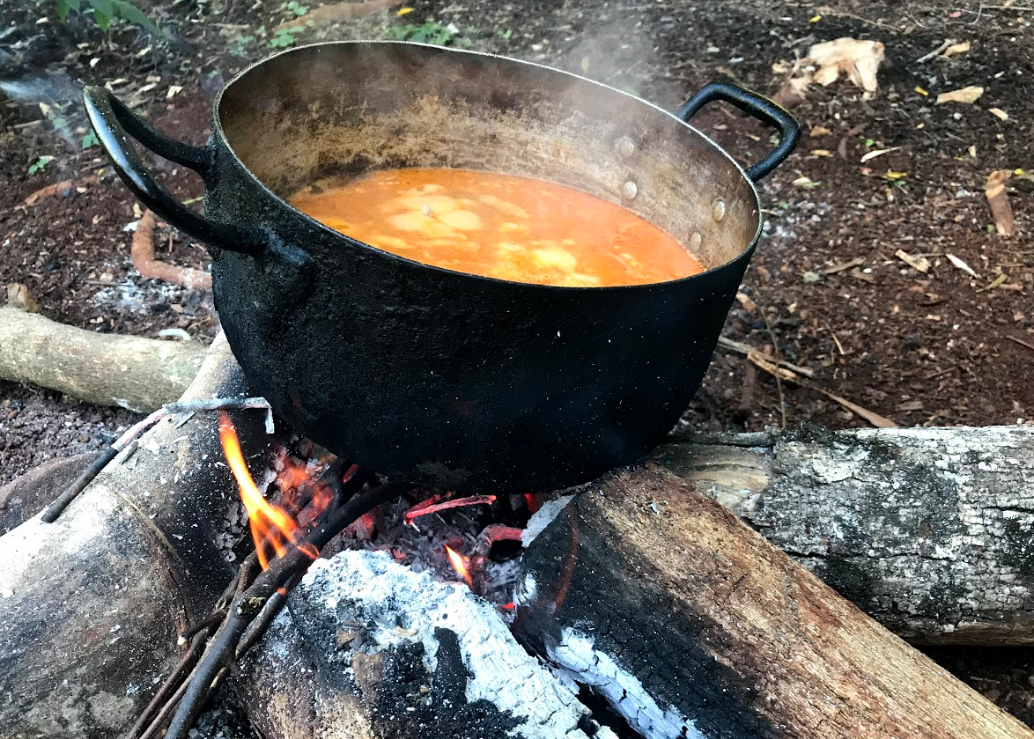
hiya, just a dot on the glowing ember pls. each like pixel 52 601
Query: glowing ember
pixel 430 506
pixel 268 522
pixel 460 564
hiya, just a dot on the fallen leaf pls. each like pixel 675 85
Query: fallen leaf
pixel 956 49
pixel 919 264
pixel 912 405
pixel 922 92
pixel 878 153
pixel 967 95
pixel 894 176
pixel 999 280
pixel 999 114
pixel 748 304
pixel 817 131
pixel 806 182
pixel 811 277
pixel 404 11
pixel 174 90
pixel 859 60
pixel 960 264
pixel 821 153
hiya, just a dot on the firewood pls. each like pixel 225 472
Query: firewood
pixel 91 605
pixel 392 653
pixel 27 495
pixel 929 531
pixel 691 624
pixel 105 369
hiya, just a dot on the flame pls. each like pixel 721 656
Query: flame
pixel 460 564
pixel 268 522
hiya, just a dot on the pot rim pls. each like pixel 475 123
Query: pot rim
pixel 745 253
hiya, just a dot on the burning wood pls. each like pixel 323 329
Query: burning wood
pixel 397 653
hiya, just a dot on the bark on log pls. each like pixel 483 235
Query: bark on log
pixel 26 496
pixel 929 531
pixel 90 606
pixel 368 648
pixel 104 369
pixel 692 625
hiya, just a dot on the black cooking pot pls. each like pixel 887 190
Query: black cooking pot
pixel 463 382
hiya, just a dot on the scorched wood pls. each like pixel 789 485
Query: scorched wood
pixel 91 605
pixel 368 648
pixel 692 625
pixel 929 531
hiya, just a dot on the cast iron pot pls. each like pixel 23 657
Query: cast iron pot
pixel 463 382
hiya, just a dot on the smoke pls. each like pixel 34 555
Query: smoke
pixel 59 98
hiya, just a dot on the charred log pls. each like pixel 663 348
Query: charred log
pixel 368 648
pixel 91 605
pixel 692 625
pixel 929 531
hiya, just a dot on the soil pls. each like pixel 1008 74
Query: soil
pixel 941 347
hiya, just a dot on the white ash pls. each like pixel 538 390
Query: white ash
pixel 584 664
pixel 543 517
pixel 403 606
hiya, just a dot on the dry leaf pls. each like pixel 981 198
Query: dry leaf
pixel 859 60
pixel 968 95
pixel 817 131
pixel 174 90
pixel 919 264
pixel 878 153
pixel 956 49
pixel 746 302
pixel 999 114
pixel 960 264
pixel 821 152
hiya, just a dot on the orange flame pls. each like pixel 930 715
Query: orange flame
pixel 268 522
pixel 460 564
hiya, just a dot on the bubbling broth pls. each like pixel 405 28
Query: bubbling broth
pixel 497 225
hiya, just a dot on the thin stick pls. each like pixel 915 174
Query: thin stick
pixel 187 661
pixel 166 710
pixel 457 503
pixel 778 379
pixel 1021 342
pixel 223 647
pixel 265 618
pixel 184 406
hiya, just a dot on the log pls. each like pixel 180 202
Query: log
pixel 929 531
pixel 91 605
pixel 690 624
pixel 105 369
pixel 368 648
pixel 25 496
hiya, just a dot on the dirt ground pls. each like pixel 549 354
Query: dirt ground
pixel 948 346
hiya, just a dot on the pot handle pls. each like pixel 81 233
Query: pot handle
pixel 756 106
pixel 117 127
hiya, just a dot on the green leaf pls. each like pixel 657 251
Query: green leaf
pixel 103 7
pixel 62 9
pixel 102 20
pixel 132 14
pixel 40 163
pixel 90 139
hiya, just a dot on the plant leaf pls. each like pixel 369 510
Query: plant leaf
pixel 132 14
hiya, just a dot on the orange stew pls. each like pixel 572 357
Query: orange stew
pixel 511 228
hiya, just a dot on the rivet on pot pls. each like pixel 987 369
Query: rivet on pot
pixel 695 241
pixel 718 212
pixel 629 190
pixel 625 147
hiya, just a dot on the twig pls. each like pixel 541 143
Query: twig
pixel 1021 342
pixel 778 379
pixel 936 52
pixel 213 619
pixel 265 617
pixel 745 349
pixel 184 406
pixel 223 647
pixel 458 503
pixel 171 685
